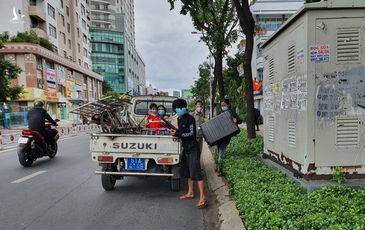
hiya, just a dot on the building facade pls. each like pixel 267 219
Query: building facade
pixel 62 78
pixel 115 16
pixel 65 23
pixel 269 15
pixel 59 82
pixel 108 57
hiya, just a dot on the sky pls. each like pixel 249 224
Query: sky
pixel 163 38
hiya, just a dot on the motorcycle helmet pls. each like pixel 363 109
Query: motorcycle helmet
pixel 38 103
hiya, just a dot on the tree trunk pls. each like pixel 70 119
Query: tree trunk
pixel 247 24
pixel 218 72
pixel 251 133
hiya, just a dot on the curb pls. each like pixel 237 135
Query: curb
pixel 228 214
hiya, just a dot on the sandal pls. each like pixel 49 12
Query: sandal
pixel 202 204
pixel 186 197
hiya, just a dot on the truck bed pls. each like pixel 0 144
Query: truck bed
pixel 134 144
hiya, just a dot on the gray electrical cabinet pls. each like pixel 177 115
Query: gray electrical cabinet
pixel 314 90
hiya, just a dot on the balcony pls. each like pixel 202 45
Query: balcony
pixel 37 12
pixel 40 32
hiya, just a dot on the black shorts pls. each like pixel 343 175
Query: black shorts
pixel 190 162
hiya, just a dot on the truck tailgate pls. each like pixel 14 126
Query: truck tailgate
pixel 124 143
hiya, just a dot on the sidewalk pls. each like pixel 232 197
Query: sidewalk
pixel 261 127
pixel 228 213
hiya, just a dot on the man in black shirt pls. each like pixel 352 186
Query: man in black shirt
pixel 190 159
pixel 36 121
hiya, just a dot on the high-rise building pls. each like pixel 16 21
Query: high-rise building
pixel 116 58
pixel 269 15
pixel 64 23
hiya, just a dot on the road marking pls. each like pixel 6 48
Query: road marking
pixel 28 177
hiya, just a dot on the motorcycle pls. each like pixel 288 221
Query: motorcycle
pixel 32 145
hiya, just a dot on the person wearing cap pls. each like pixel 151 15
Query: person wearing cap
pixel 190 160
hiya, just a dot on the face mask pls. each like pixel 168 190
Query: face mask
pixel 161 112
pixel 224 108
pixel 180 112
pixel 154 111
pixel 199 109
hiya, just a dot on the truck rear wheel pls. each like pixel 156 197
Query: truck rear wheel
pixel 175 184
pixel 107 181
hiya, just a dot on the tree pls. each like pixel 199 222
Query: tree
pixel 106 87
pixel 233 84
pixel 247 24
pixel 8 71
pixel 201 87
pixel 216 20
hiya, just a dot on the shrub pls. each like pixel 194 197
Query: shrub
pixel 267 199
pixel 32 37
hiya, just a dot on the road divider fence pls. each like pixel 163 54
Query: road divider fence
pixel 10 138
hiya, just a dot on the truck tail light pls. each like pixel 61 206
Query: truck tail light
pixel 166 160
pixel 105 158
pixel 27 132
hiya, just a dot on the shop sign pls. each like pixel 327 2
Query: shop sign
pixel 51 96
pixel 51 87
pixel 51 75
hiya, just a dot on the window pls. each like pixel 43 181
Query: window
pixel 78 32
pixel 77 18
pixel 97 7
pixel 68 28
pixel 63 20
pixel 69 43
pixel 52 31
pixel 142 106
pixel 54 48
pixel 83 24
pixel 65 54
pixel 76 2
pixel 79 61
pixel 63 35
pixel 105 6
pixel 85 52
pixel 61 2
pixel 85 39
pixel 83 10
pixel 68 11
pixel 51 11
pixel 79 47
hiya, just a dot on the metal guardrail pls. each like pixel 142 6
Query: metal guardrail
pixel 9 139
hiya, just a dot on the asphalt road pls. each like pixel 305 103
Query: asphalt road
pixel 64 193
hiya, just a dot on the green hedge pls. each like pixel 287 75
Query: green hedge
pixel 267 199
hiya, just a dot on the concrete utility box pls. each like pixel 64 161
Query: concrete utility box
pixel 314 90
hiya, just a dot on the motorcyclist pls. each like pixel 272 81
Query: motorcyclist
pixel 37 117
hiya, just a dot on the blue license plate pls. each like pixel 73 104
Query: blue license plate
pixel 136 164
